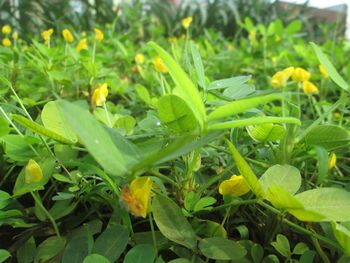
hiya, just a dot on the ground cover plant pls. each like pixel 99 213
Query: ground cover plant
pixel 122 148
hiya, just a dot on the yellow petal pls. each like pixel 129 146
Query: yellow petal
pixel 82 45
pixel 300 74
pixel 159 65
pixel 309 88
pixel 186 22
pixel 323 71
pixel 139 58
pixel 280 78
pixel 67 35
pixel 6 29
pixel 235 186
pixel 332 160
pixel 33 172
pixel 99 34
pixel 100 94
pixel 6 42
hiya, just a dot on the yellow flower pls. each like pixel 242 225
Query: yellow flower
pixel 67 35
pixel 6 42
pixel 6 29
pixel 280 78
pixel 15 35
pixel 309 88
pixel 47 34
pixel 235 186
pixel 82 45
pixel 100 94
pixel 186 22
pixel 137 196
pixel 300 74
pixel 33 172
pixel 159 65
pixel 332 160
pixel 139 58
pixel 98 34
pixel 323 71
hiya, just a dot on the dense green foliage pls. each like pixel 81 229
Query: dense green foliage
pixel 115 148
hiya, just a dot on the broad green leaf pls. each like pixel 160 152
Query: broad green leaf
pixel 94 137
pixel 327 136
pixel 233 82
pixel 239 106
pixel 126 123
pixel 172 223
pixel 332 203
pixel 112 242
pixel 180 260
pixel 198 65
pixel 4 127
pixel 257 253
pixel 17 148
pixel 77 248
pixel 5 199
pixel 144 253
pixel 285 176
pixel 221 249
pixel 300 248
pixel 175 113
pixel 37 128
pixel 49 249
pixel 251 121
pixel 238 92
pixel 266 132
pixel 143 94
pixel 342 234
pixel 327 64
pixel 282 245
pixel 26 252
pixel 322 164
pixel 95 258
pixel 246 171
pixel 185 87
pixel 21 187
pixel 4 254
pixel 54 120
pixel 282 199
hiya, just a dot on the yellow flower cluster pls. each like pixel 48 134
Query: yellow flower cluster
pixel 137 196
pixel 100 94
pixel 46 34
pixel 99 34
pixel 6 30
pixel 280 78
pixel 139 58
pixel 82 45
pixel 67 35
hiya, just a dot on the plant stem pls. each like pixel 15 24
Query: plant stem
pixel 40 204
pixel 150 217
pixel 107 115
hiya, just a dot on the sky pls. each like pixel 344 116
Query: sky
pixel 327 3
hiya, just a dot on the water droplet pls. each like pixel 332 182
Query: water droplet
pixel 158 123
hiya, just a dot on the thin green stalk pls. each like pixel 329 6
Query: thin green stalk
pixel 319 250
pixel 164 178
pixel 93 52
pixel 107 115
pixel 235 203
pixel 40 204
pixel 154 239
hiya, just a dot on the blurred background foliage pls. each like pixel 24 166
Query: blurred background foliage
pixel 143 16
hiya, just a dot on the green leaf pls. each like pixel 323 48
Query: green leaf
pixel 77 248
pixel 21 187
pixel 282 199
pixel 198 65
pixel 171 222
pixel 300 248
pixel 112 242
pixel 266 132
pixel 221 249
pixel 5 199
pixel 257 253
pixel 251 121
pixel 234 82
pixel 54 120
pixel 26 252
pixel 95 258
pixel 36 128
pixel 332 203
pixel 144 253
pixel 185 87
pixel 282 245
pixel 4 254
pixel 49 249
pixel 242 105
pixel 17 148
pixel 176 114
pixel 327 64
pixel 246 171
pixel 180 260
pixel 327 136
pixel 94 137
pixel 143 94
pixel 127 123
pixel 342 234
pixel 4 127
pixel 285 176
